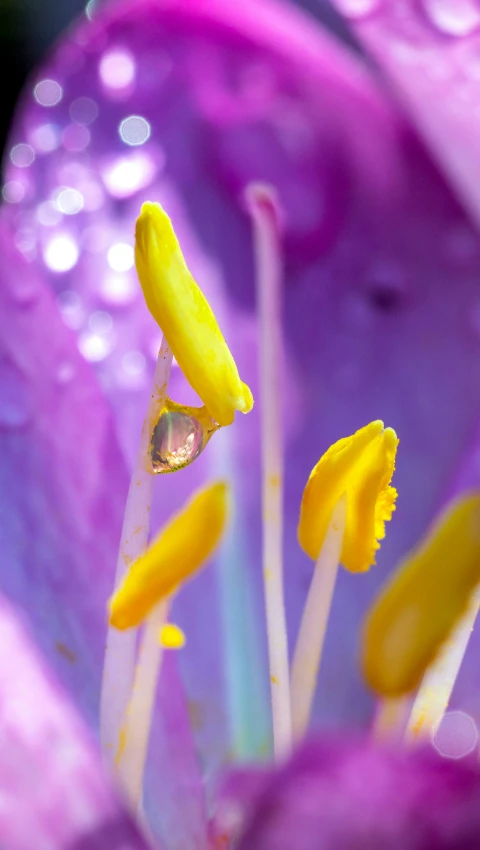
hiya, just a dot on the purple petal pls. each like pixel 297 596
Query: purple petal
pixel 347 795
pixel 382 265
pixel 430 49
pixel 52 786
pixel 62 493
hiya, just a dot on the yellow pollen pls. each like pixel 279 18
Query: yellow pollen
pixel 422 602
pixel 172 637
pixel 362 467
pixel 181 548
pixel 184 315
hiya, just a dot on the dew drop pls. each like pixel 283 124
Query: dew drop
pixel 13 192
pixel 22 155
pixel 453 17
pixel 179 436
pixel 48 92
pixel 120 257
pixel 176 441
pixel 83 110
pixel 94 347
pixel 134 130
pixel 61 253
pixel 358 8
pixel 456 736
pixel 117 69
pixel 15 406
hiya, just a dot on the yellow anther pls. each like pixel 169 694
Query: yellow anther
pixel 172 637
pixel 362 467
pixel 423 600
pixel 180 549
pixel 184 315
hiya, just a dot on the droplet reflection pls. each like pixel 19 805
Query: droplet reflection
pixel 179 436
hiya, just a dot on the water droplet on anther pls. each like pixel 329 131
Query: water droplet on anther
pixel 179 436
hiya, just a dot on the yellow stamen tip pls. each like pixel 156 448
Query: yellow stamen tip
pixel 422 602
pixel 172 637
pixel 180 549
pixel 184 315
pixel 362 467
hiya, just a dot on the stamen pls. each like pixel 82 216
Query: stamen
pixel 120 649
pixel 183 313
pixel 361 466
pixel 264 214
pixel 419 609
pixel 135 734
pixel 390 719
pixel 180 550
pixel 437 685
pixel 308 650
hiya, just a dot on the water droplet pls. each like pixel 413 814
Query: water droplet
pixel 453 17
pixel 69 201
pixel 61 253
pixel 95 347
pixel 120 257
pixel 15 404
pixel 45 138
pixel 134 130
pixel 456 735
pixel 119 290
pixel 358 8
pixel 179 436
pixel 22 155
pixel 48 92
pixel 47 214
pixel 83 110
pixel 127 174
pixel 76 138
pixel 91 9
pixel 117 69
pixel 13 192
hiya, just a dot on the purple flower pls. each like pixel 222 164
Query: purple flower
pixel 187 102
pixel 347 795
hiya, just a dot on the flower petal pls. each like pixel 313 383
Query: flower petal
pixel 381 292
pixel 346 794
pixel 431 54
pixel 52 784
pixel 63 486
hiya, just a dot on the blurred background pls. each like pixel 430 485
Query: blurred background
pixel 28 28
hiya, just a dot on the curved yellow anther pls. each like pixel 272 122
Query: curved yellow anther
pixel 423 600
pixel 184 315
pixel 180 549
pixel 362 467
pixel 172 636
